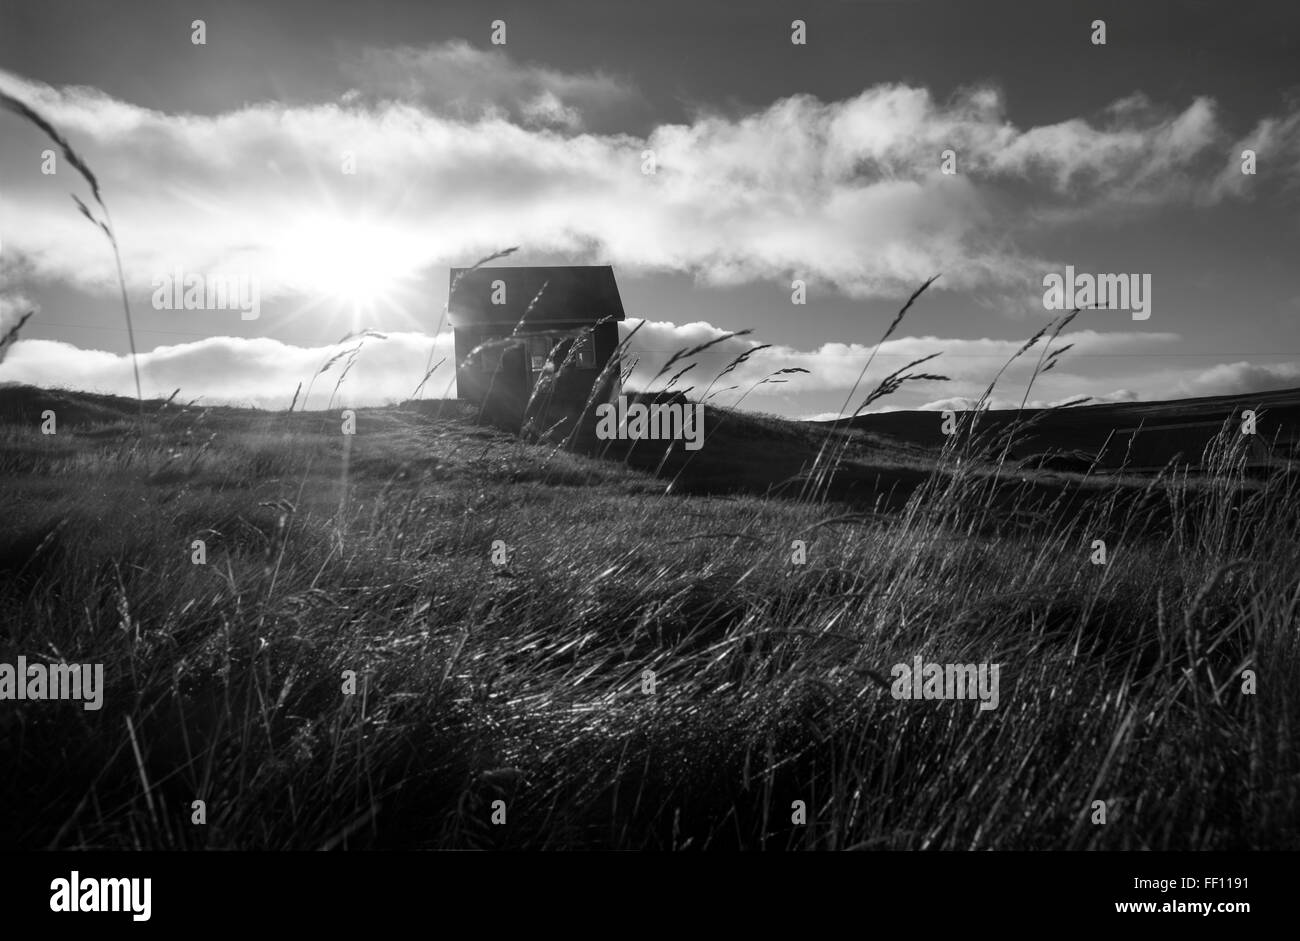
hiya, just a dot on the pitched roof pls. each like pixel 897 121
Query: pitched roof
pixel 582 293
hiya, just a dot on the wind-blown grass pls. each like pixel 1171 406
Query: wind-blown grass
pixel 525 682
pixel 105 225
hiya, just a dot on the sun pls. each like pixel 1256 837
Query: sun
pixel 357 280
pixel 357 262
pixel 355 267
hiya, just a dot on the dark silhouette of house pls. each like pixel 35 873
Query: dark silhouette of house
pixel 532 343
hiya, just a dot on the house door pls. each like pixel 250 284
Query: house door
pixel 509 386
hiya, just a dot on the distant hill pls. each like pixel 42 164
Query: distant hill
pixel 1137 435
pixel 885 456
pixel 22 403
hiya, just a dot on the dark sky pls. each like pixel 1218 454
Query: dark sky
pixel 682 54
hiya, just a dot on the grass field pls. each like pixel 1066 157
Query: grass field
pixel 526 683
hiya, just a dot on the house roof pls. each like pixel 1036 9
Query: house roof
pixel 573 293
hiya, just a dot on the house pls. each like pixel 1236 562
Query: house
pixel 533 342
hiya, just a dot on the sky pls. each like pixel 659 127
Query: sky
pixel 340 157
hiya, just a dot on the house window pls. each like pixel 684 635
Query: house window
pixel 538 348
pixel 586 354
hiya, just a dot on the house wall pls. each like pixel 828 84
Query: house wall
pixel 508 393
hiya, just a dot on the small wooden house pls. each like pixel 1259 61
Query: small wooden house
pixel 532 343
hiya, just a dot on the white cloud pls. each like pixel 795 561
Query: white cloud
pixel 1136 154
pixel 1241 378
pixel 962 403
pixel 264 372
pixel 259 372
pixel 451 164
pixel 835 366
pixel 1110 362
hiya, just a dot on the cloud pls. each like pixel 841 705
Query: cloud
pixel 264 372
pixel 12 307
pixel 1106 366
pixel 260 372
pixel 835 366
pixel 1137 153
pixel 1276 143
pixel 461 151
pixel 1241 378
pixel 455 79
pixel 962 403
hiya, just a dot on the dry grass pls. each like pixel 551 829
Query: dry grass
pixel 524 682
pixel 105 225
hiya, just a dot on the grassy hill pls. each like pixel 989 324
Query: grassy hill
pixel 1130 436
pixel 633 647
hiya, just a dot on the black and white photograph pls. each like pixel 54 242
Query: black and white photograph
pixel 443 431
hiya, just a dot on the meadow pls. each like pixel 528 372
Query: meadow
pixel 526 682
